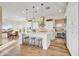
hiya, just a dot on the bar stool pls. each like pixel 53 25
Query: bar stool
pixel 27 40
pixel 39 42
pixel 23 38
pixel 32 39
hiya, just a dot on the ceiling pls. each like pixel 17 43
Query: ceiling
pixel 16 10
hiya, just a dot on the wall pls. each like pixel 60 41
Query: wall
pixel 0 24
pixel 72 28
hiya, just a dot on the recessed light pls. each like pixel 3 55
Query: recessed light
pixel 33 6
pixel 42 4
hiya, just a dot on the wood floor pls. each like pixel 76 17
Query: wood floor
pixel 57 48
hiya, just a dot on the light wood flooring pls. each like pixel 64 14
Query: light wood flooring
pixel 57 48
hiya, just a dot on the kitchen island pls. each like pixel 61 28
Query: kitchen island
pixel 46 38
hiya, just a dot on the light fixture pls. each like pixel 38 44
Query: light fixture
pixel 42 4
pixel 32 18
pixel 33 12
pixel 42 16
pixel 42 9
pixel 26 14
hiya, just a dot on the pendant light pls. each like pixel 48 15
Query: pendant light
pixel 26 14
pixel 32 18
pixel 42 15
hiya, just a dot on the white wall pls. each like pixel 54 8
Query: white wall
pixel 72 28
